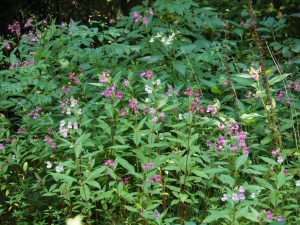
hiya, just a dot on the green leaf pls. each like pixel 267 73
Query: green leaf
pixel 200 173
pixel 240 161
pixel 85 192
pixel 131 209
pixel 226 179
pixel 180 67
pixel 64 177
pixel 125 164
pixel 263 183
pixel 278 78
pixel 216 215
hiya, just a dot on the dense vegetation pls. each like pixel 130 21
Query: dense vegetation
pixel 175 114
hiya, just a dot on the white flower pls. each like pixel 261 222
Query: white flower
pixel 298 183
pixel 148 89
pixel 180 116
pixel 151 40
pixel 253 195
pixel 59 169
pixel 68 111
pixel 75 126
pixel 158 35
pixel 70 125
pixel 62 123
pixel 79 112
pixel 73 103
pixel 158 82
pixel 49 165
pixel 147 100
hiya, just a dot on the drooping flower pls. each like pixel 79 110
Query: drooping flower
pixel 119 95
pixel 123 112
pixel 156 214
pixel 224 198
pixel 279 159
pixel 1 146
pixel 59 169
pixel 49 165
pixel 145 21
pixel 235 197
pixel 279 218
pixel 269 215
pixel 152 180
pixel 136 17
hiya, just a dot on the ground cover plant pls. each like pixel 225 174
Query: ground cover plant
pixel 174 114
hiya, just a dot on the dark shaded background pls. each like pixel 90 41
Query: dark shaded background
pixel 85 10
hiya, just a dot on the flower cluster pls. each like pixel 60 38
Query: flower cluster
pixel 15 28
pixel 35 113
pixel 148 166
pixel 110 163
pixel 154 179
pixel 50 141
pixel 165 40
pixel 64 127
pixel 269 216
pixel 104 77
pixel 137 17
pixel 236 197
pixel 147 74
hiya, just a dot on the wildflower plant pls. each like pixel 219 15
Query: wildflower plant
pixel 155 119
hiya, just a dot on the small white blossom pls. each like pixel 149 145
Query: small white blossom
pixel 79 112
pixel 180 117
pixel 298 183
pixel 147 100
pixel 75 126
pixel 69 125
pixel 62 123
pixel 49 165
pixel 68 111
pixel 151 40
pixel 148 89
pixel 253 195
pixel 59 169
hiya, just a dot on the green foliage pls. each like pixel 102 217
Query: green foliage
pixel 165 122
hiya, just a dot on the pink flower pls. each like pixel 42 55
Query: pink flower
pixel 235 197
pixel 1 146
pixel 269 215
pixel 136 17
pixel 145 21
pixel 136 111
pixel 123 112
pixel 208 144
pixel 162 116
pixel 225 82
pixel 132 103
pixel 279 218
pixel 119 95
pixel 152 180
pixel 150 12
pixel 76 80
pixel 201 110
pixel 274 153
pixel 188 92
pixel 154 119
pixel 158 178
pixel 285 171
pixel 71 75
pixel 279 159
pixel 196 93
pixel 233 147
pixel 156 214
